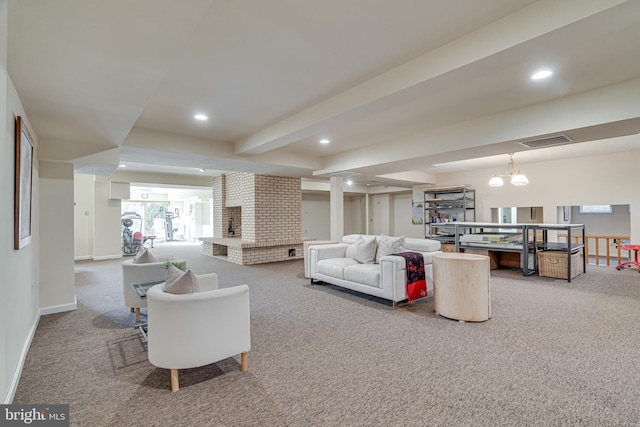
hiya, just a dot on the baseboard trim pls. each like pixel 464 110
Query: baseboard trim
pixel 103 257
pixel 61 308
pixel 82 258
pixel 23 357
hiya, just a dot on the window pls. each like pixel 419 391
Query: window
pixel 152 216
pixel 587 209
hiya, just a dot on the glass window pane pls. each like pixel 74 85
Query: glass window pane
pixel 595 209
pixel 154 218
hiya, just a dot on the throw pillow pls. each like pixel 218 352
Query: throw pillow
pixel 365 250
pixel 173 273
pixel 389 245
pixel 351 250
pixel 187 283
pixel 144 257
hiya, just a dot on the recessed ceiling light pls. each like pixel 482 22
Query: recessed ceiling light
pixel 201 170
pixel 200 117
pixel 349 182
pixel 122 166
pixel 324 141
pixel 542 74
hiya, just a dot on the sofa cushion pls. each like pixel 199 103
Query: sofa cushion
pixel 389 245
pixel 366 274
pixel 144 257
pixel 334 267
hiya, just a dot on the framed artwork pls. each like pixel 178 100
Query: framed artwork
pixel 416 213
pixel 23 185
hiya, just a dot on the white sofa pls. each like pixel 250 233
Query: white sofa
pixel 387 279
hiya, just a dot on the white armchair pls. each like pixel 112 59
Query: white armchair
pixel 141 273
pixel 192 330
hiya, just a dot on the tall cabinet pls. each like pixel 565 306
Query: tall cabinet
pixel 444 205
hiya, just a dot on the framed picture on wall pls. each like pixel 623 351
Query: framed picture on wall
pixel 23 184
pixel 416 213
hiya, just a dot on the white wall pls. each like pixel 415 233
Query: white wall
pixel 19 301
pixel 381 214
pixel 595 180
pixel 617 223
pixel 57 278
pixel 107 239
pixel 83 216
pixel 402 212
pixel 389 212
pixel 354 214
pixel 315 216
pixel 5 211
pixel 316 219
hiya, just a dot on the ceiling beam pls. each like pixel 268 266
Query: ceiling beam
pixel 596 109
pixel 388 88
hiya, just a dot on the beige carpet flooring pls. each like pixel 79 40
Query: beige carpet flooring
pixel 553 354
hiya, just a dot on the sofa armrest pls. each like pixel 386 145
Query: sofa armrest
pixel 320 252
pixel 393 277
pixel 393 274
pixel 428 256
pixel 336 250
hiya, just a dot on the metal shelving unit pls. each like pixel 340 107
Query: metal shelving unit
pixel 443 205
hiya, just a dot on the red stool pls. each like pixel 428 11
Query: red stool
pixel 630 264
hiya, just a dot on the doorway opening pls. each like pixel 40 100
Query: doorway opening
pixel 163 214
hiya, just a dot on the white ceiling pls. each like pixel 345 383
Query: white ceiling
pixel 397 86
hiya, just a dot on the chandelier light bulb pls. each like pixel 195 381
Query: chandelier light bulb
pixel 517 178
pixel 496 181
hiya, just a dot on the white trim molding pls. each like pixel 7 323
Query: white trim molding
pixel 61 308
pixel 104 257
pixel 23 357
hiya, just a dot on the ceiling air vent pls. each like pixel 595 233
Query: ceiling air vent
pixel 545 142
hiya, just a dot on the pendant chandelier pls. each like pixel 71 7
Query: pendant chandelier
pixel 517 178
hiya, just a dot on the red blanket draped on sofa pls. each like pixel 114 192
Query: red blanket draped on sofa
pixel 416 282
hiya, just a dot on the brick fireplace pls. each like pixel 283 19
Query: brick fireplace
pixel 256 218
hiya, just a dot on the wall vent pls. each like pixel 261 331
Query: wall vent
pixel 345 173
pixel 545 142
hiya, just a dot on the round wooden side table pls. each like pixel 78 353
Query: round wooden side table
pixel 461 286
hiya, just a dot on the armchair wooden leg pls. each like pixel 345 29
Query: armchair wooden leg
pixel 243 362
pixel 175 383
pixel 137 314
